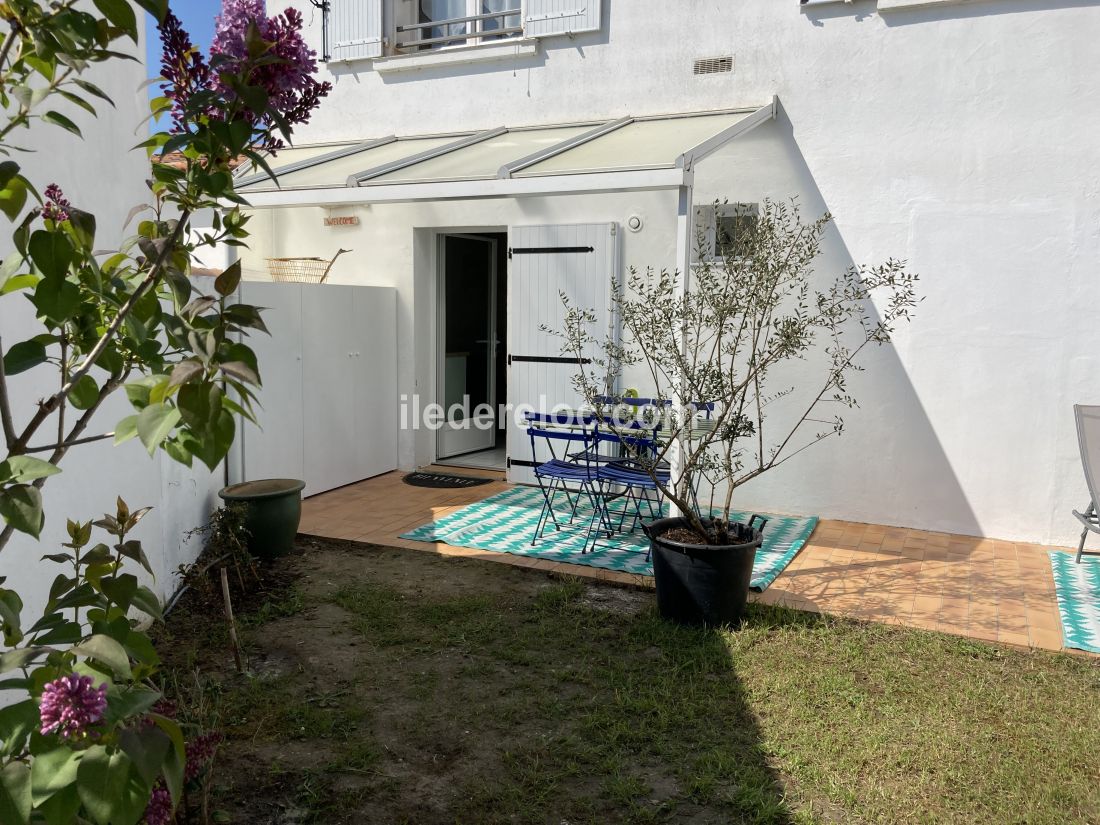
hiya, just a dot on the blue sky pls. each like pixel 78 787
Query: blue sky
pixel 197 17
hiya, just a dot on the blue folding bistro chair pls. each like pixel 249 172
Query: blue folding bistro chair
pixel 560 473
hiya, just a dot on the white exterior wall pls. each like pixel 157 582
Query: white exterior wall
pixel 960 137
pixel 98 175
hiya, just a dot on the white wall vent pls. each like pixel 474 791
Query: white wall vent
pixel 714 65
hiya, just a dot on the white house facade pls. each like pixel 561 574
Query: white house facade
pixel 98 176
pixel 957 135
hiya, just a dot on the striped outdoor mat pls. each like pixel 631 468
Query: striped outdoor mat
pixel 505 523
pixel 1078 588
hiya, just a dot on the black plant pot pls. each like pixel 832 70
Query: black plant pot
pixel 701 584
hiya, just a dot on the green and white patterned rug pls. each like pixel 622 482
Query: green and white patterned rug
pixel 505 523
pixel 1078 588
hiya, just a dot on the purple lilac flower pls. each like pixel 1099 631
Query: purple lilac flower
pixel 159 809
pixel 182 65
pixel 200 753
pixel 57 207
pixel 288 80
pixel 70 705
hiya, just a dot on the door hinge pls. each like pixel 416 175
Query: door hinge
pixel 548 250
pixel 547 359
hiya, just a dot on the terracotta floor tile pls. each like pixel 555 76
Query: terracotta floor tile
pixel 1047 639
pixel 988 589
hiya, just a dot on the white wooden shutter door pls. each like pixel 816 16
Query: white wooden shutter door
pixel 355 29
pixel 546 261
pixel 546 18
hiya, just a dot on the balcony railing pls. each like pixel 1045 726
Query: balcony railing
pixel 473 30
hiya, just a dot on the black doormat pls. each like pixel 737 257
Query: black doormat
pixel 443 480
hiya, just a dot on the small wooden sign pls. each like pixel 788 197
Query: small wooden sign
pixel 341 220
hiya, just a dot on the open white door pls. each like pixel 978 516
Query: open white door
pixel 544 262
pixel 467 340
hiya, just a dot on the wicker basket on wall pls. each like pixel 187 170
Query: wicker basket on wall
pixel 302 270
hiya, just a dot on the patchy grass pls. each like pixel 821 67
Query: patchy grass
pixel 400 687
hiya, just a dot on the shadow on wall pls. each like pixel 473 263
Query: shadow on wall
pixel 889 466
pixel 963 9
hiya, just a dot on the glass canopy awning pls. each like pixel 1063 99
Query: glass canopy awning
pixel 619 155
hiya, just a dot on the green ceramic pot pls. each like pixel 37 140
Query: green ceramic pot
pixel 274 511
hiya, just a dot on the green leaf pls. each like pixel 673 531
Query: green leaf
pixel 120 589
pixel 147 748
pixel 85 393
pixel 53 771
pixel 22 657
pixel 126 429
pixel 92 89
pixel 16 723
pixel 101 782
pixel 82 228
pixel 176 758
pixel 21 507
pixel 56 301
pixel 61 808
pixel 241 370
pixel 18 282
pixel 58 119
pixel 23 356
pixel 106 651
pixel 121 14
pixel 126 703
pixel 22 468
pixel 15 793
pixel 51 252
pixel 184 371
pixel 11 609
pixel 157 8
pixel 146 601
pixel 13 193
pixel 67 633
pixel 154 424
pixel 133 550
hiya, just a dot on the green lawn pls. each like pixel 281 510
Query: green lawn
pixel 395 686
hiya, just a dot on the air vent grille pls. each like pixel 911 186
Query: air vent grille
pixel 714 65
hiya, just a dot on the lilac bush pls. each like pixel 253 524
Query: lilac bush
pixel 83 723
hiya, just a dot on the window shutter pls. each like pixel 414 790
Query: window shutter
pixel 546 18
pixel 355 29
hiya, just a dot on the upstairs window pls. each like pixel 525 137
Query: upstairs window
pixel 459 23
pixel 365 29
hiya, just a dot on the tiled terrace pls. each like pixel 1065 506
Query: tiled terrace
pixel 997 591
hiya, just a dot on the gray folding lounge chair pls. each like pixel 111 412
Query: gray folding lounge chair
pixel 1088 437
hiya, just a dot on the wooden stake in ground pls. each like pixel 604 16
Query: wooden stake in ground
pixel 230 620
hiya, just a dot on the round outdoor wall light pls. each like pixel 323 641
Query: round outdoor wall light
pixel 634 223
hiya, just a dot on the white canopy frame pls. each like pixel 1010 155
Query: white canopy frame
pixel 514 180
